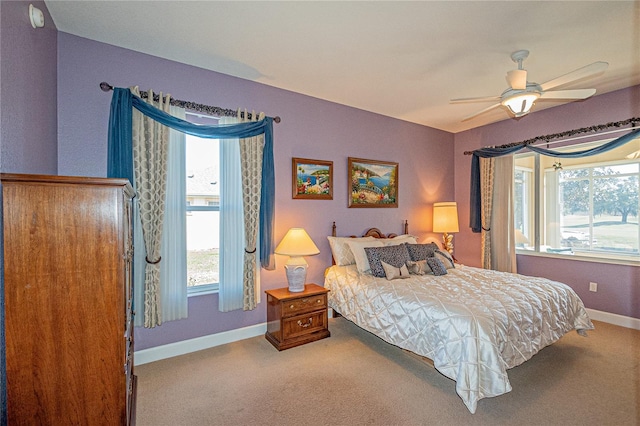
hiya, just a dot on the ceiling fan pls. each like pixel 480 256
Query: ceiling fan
pixel 522 94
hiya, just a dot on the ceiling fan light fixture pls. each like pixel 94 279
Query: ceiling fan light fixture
pixel 520 104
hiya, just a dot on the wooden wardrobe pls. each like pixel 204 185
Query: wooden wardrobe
pixel 68 300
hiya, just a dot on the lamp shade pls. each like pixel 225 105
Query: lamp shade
pixel 521 239
pixel 445 217
pixel 297 242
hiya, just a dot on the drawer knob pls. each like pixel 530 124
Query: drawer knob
pixel 301 324
pixel 292 306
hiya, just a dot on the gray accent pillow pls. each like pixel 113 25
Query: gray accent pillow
pixel 393 255
pixel 421 251
pixel 436 266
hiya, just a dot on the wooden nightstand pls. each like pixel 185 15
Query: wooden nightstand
pixel 294 319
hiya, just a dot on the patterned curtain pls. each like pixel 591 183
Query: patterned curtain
pixel 150 141
pixel 498 241
pixel 487 167
pixel 503 243
pixel 257 172
pixel 251 151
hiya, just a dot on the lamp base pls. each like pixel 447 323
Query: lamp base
pixel 296 269
pixel 447 242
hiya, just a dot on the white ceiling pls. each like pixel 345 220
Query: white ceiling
pixel 400 59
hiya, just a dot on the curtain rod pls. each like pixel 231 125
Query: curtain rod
pixel 211 110
pixel 597 128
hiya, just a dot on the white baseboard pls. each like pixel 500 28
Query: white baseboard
pixel 615 319
pixel 157 353
pixel 145 356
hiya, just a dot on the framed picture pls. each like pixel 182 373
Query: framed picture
pixel 312 179
pixel 373 183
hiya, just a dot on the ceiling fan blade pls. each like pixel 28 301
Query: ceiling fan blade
pixel 568 94
pixel 481 99
pixel 517 79
pixel 469 117
pixel 579 74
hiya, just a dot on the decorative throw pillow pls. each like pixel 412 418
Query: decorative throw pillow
pixel 446 258
pixel 421 251
pixel 357 247
pixel 340 250
pixel 418 267
pixel 393 273
pixel 400 239
pixel 393 255
pixel 436 266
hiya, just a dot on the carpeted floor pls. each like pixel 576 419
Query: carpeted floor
pixel 354 378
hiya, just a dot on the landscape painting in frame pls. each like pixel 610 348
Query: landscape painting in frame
pixel 312 179
pixel 373 183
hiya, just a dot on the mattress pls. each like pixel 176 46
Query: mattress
pixel 474 324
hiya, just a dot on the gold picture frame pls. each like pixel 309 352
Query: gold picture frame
pixel 372 183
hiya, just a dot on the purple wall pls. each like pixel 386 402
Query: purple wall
pixel 28 122
pixel 618 286
pixel 310 128
pixel 28 90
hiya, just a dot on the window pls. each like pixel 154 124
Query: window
pixel 203 214
pixel 523 197
pixel 586 206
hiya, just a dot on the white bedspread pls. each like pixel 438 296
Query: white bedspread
pixel 473 323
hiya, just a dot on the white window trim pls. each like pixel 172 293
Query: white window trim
pixel 579 257
pixel 203 290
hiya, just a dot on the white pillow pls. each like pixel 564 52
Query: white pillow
pixel 342 254
pixel 357 248
pixel 445 257
pixel 400 239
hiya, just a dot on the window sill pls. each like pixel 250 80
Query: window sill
pixel 581 258
pixel 203 292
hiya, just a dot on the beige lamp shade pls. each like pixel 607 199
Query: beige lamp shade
pixel 297 242
pixel 521 239
pixel 445 217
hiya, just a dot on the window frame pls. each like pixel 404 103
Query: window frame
pixel 540 195
pixel 199 290
pixel 203 289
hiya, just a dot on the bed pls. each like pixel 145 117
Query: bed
pixel 473 324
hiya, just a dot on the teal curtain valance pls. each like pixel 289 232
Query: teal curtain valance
pixel 475 204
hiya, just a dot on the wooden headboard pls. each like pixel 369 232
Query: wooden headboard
pixel 371 232
pixel 375 232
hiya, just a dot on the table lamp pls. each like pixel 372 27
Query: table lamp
pixel 445 220
pixel 296 244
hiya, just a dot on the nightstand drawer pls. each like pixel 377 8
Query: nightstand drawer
pixel 304 324
pixel 306 304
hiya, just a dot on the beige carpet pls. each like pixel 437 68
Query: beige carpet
pixel 354 378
